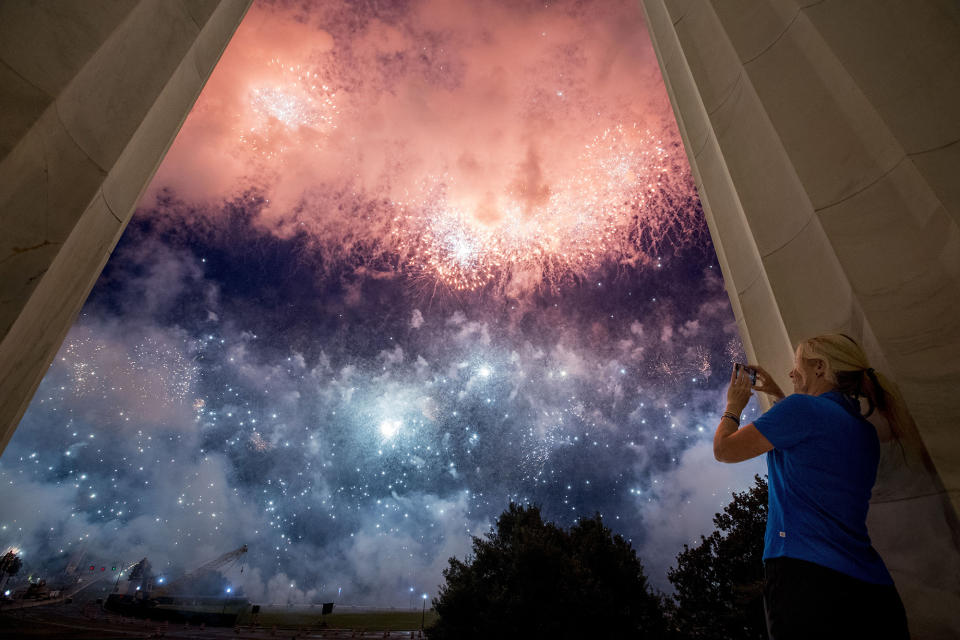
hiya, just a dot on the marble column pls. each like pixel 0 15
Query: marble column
pixel 92 94
pixel 824 138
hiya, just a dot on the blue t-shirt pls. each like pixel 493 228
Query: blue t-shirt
pixel 821 471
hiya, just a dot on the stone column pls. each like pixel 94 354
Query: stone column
pixel 824 137
pixel 92 94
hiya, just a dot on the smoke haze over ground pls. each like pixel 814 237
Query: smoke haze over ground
pixel 402 266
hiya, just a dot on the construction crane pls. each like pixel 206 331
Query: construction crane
pixel 139 575
pixel 213 565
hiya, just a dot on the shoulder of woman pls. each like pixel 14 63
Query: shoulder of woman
pixel 795 404
pixel 796 400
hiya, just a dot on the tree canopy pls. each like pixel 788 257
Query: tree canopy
pixel 532 579
pixel 10 564
pixel 719 583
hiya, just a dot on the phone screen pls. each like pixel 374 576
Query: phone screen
pixel 750 371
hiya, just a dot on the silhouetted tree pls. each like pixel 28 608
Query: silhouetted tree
pixel 719 583
pixel 10 564
pixel 531 579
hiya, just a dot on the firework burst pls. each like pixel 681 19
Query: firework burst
pixel 258 443
pixel 293 108
pixel 619 202
pixel 151 369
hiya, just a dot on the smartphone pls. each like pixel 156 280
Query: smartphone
pixel 749 370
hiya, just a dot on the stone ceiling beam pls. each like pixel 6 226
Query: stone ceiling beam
pixel 93 94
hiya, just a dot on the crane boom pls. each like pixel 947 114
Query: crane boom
pixel 210 566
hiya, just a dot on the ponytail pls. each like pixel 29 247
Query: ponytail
pixel 847 367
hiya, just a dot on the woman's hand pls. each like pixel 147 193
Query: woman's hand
pixel 738 393
pixel 766 384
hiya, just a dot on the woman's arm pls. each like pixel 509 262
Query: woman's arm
pixel 739 444
pixel 733 444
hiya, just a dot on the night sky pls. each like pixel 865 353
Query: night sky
pixel 406 262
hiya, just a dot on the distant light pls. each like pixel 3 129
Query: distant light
pixel 485 371
pixel 138 588
pixel 424 596
pixel 229 589
pixel 7 592
pixel 160 580
pixel 389 428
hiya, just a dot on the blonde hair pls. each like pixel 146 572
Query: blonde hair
pixel 848 368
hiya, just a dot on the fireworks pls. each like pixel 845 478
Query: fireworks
pixel 345 428
pixel 285 111
pixel 84 373
pixel 613 205
pixel 701 362
pixel 734 351
pixel 389 428
pixel 538 443
pixel 161 368
pixel 150 370
pixel 258 443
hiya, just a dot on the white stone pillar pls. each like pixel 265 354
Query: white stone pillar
pixel 824 138
pixel 92 94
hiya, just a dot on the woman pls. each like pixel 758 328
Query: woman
pixel 824 579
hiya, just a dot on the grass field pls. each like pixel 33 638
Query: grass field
pixel 371 621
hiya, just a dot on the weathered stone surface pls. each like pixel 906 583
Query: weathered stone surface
pixel 888 51
pixel 739 246
pixel 201 10
pixel 768 336
pixel 709 60
pixel 48 42
pixel 22 104
pixel 107 100
pixel 36 218
pixel 927 582
pixel 754 27
pixel 804 89
pixel 777 207
pixel 939 169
